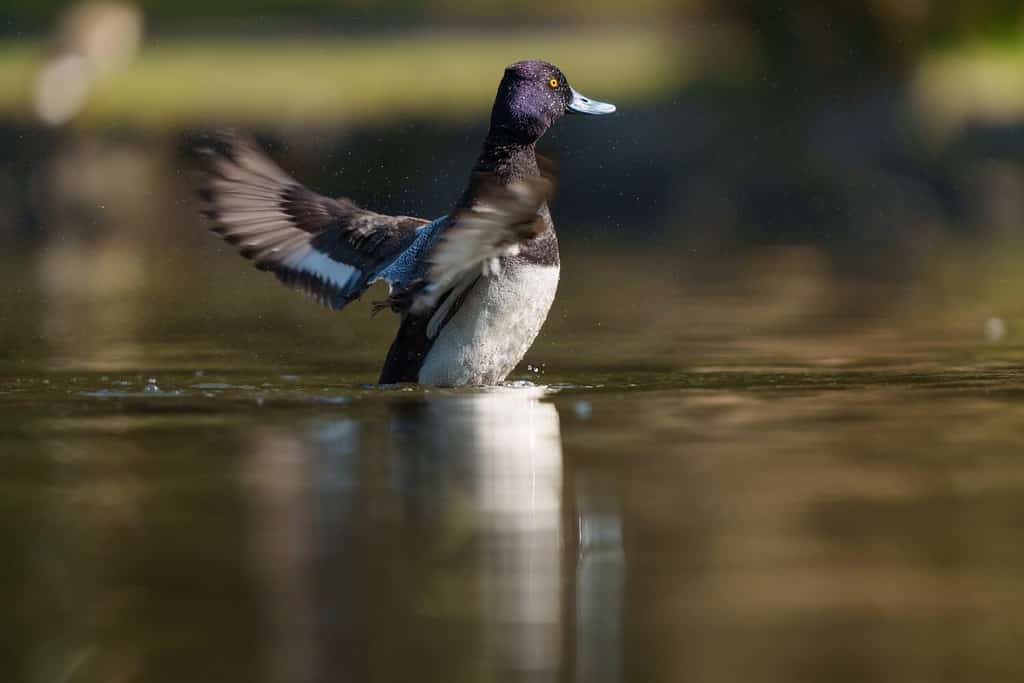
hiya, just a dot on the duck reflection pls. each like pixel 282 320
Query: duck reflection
pixel 433 541
pixel 600 577
pixel 497 455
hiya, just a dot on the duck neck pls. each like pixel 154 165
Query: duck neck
pixel 505 160
pixel 508 161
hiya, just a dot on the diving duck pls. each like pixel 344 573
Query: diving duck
pixel 472 287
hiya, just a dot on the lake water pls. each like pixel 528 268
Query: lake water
pixel 191 496
pixel 728 469
pixel 752 524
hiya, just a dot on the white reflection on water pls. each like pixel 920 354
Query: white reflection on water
pixel 501 451
pixel 600 580
pixel 443 527
pixel 512 446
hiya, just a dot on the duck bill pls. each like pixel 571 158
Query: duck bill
pixel 585 105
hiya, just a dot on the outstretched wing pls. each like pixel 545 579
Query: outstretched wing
pixel 500 220
pixel 330 249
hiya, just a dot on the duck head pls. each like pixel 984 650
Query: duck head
pixel 531 97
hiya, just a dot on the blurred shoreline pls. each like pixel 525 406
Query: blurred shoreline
pixel 344 80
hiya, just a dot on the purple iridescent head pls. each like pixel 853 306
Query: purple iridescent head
pixel 532 96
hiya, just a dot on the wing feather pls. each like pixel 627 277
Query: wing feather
pixel 502 218
pixel 328 248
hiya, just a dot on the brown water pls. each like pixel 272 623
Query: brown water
pixel 741 525
pixel 199 483
pixel 738 468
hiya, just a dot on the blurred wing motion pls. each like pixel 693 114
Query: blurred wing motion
pixel 328 248
pixel 501 218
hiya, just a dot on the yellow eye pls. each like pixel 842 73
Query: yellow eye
pixel 553 82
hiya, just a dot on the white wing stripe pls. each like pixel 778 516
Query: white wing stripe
pixel 313 262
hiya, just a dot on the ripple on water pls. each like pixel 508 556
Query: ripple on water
pixel 144 393
pixel 150 390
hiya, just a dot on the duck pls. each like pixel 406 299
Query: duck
pixel 472 287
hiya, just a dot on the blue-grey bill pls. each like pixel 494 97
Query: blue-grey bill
pixel 585 105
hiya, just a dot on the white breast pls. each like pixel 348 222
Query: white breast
pixel 494 327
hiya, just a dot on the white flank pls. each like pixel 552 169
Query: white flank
pixel 493 329
pixel 442 311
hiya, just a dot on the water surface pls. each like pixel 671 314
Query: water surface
pixel 715 464
pixel 745 524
